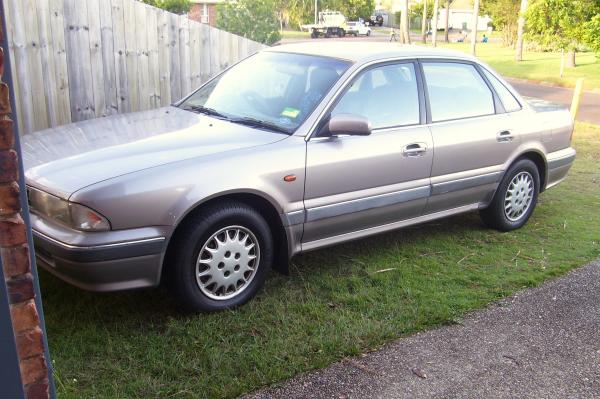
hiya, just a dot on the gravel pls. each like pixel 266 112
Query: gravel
pixel 541 343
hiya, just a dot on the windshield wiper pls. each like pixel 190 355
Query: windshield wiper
pixel 260 124
pixel 205 110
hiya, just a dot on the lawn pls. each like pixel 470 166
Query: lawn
pixel 338 302
pixel 536 66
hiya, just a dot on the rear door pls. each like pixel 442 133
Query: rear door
pixel 355 183
pixel 473 135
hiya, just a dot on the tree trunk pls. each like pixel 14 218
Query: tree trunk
pixel 520 31
pixel 405 22
pixel 447 21
pixel 474 26
pixel 571 59
pixel 424 22
pixel 434 27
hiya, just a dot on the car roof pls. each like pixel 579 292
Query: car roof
pixel 367 51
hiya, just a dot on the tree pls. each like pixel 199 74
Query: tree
pixel 174 6
pixel 434 28
pixel 447 20
pixel 474 27
pixel 253 19
pixel 591 34
pixel 504 14
pixel 560 24
pixel 405 25
pixel 521 31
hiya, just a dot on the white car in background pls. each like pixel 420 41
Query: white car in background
pixel 357 28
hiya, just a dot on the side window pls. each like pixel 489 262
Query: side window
pixel 456 91
pixel 508 100
pixel 386 95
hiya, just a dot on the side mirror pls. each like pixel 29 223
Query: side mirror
pixel 348 124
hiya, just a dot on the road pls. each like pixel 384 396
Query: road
pixel 540 343
pixel 589 109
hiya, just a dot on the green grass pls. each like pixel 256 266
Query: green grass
pixel 294 34
pixel 337 302
pixel 536 65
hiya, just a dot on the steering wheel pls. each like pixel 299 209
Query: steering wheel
pixel 257 101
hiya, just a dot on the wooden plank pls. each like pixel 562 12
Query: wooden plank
pixel 57 26
pixel 242 48
pixel 108 57
pixel 215 62
pixel 18 62
pixel 142 51
pixel 224 50
pixel 195 47
pixel 40 112
pixel 120 56
pixel 47 60
pixel 184 54
pixel 205 54
pixel 96 65
pixel 234 46
pixel 163 58
pixel 153 67
pixel 175 81
pixel 131 54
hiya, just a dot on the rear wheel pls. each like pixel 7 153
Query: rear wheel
pixel 314 34
pixel 515 198
pixel 341 33
pixel 220 257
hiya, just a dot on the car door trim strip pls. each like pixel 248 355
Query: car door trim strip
pixel 363 204
pixel 462 184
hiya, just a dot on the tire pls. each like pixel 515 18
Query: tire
pixel 188 257
pixel 341 33
pixel 327 33
pixel 314 34
pixel 504 214
pixel 368 33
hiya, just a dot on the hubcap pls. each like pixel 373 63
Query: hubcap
pixel 518 196
pixel 227 262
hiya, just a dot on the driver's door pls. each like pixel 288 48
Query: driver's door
pixel 361 182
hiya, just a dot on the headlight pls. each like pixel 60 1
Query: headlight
pixel 68 213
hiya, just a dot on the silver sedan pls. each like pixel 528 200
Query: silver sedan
pixel 295 148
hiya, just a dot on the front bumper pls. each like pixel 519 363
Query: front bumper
pixel 100 261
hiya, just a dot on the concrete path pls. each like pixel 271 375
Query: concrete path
pixel 541 343
pixel 589 110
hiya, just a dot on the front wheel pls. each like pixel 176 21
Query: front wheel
pixel 515 198
pixel 220 257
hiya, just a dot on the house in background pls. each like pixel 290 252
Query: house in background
pixel 204 11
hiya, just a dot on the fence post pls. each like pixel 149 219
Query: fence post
pixel 576 98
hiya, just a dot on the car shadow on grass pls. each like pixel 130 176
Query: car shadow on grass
pixel 157 307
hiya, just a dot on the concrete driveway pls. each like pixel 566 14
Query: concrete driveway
pixel 541 343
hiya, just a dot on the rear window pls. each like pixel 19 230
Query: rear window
pixel 457 91
pixel 509 101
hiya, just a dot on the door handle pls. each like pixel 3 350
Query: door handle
pixel 414 150
pixel 504 136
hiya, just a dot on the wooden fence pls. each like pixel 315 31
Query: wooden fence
pixel 80 59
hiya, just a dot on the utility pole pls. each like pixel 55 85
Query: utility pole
pixel 521 31
pixel 316 12
pixel 434 27
pixel 474 27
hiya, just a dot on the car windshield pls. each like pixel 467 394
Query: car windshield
pixel 270 90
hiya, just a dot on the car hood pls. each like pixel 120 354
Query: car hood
pixel 65 159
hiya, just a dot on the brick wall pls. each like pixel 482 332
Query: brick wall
pixel 196 13
pixel 14 253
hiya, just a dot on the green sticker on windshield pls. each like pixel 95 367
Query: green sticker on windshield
pixel 290 112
